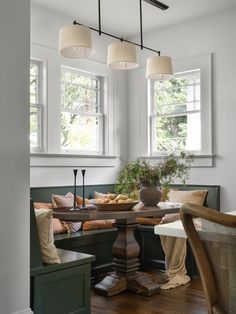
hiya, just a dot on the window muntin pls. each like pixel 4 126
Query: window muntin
pixel 82 112
pixel 176 113
pixel 36 106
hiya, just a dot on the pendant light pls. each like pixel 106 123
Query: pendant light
pixel 122 56
pixel 159 68
pixel 75 41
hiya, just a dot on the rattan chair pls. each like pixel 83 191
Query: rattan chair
pixel 212 236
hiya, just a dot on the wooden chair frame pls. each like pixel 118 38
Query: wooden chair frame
pixel 187 213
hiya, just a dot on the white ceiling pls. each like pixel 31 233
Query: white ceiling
pixel 121 17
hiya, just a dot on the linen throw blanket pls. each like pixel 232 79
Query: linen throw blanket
pixel 175 250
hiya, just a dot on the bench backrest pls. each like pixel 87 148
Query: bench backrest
pixel 44 194
pixel 212 199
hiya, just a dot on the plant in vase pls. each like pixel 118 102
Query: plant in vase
pixel 140 178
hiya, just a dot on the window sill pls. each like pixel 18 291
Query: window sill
pixel 200 161
pixel 71 160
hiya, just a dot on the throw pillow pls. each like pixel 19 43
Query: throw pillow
pixel 45 232
pixel 98 224
pixel 66 201
pixel 58 226
pixel 62 200
pixel 79 201
pixel 196 197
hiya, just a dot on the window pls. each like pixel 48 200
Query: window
pixel 180 109
pixel 36 106
pixel 176 113
pixel 82 112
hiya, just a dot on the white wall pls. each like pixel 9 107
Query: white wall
pixel 14 156
pixel 213 34
pixel 56 171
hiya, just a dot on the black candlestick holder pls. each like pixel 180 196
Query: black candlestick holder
pixel 83 201
pixel 74 202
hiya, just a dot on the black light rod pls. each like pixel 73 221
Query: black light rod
pixel 99 17
pixel 157 4
pixel 141 23
pixel 119 38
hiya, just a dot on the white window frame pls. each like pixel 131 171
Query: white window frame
pixel 40 105
pixel 100 114
pixel 203 63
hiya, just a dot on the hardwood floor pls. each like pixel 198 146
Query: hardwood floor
pixel 188 299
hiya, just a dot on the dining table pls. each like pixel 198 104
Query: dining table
pixel 125 250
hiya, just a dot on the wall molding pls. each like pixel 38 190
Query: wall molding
pixel 65 160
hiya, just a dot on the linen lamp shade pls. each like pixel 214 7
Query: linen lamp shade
pixel 159 68
pixel 121 56
pixel 75 41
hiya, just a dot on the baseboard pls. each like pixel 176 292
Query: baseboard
pixel 25 311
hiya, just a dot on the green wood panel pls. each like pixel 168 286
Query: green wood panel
pixel 44 194
pixel 63 292
pixel 95 242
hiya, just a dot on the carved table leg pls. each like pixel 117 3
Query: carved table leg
pixel 126 277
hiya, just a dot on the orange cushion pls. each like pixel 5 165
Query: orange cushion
pixel 79 200
pixel 148 221
pixel 98 224
pixel 38 205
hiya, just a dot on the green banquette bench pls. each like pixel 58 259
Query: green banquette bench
pixel 58 288
pixel 99 242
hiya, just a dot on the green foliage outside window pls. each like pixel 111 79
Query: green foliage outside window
pixel 80 110
pixel 172 102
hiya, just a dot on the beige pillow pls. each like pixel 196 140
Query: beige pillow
pixel 196 197
pixel 62 200
pixel 67 201
pixel 46 239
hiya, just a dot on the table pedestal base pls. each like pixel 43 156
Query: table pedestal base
pixel 141 283
pixel 126 277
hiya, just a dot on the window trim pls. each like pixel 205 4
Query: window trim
pixel 100 114
pixel 204 63
pixel 41 104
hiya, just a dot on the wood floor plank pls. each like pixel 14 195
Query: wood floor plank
pixel 188 299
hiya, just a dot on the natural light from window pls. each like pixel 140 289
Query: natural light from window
pixel 35 105
pixel 81 116
pixel 176 113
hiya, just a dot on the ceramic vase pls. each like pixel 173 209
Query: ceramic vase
pixel 150 195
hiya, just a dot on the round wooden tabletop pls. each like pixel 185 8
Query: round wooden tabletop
pixel 92 213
